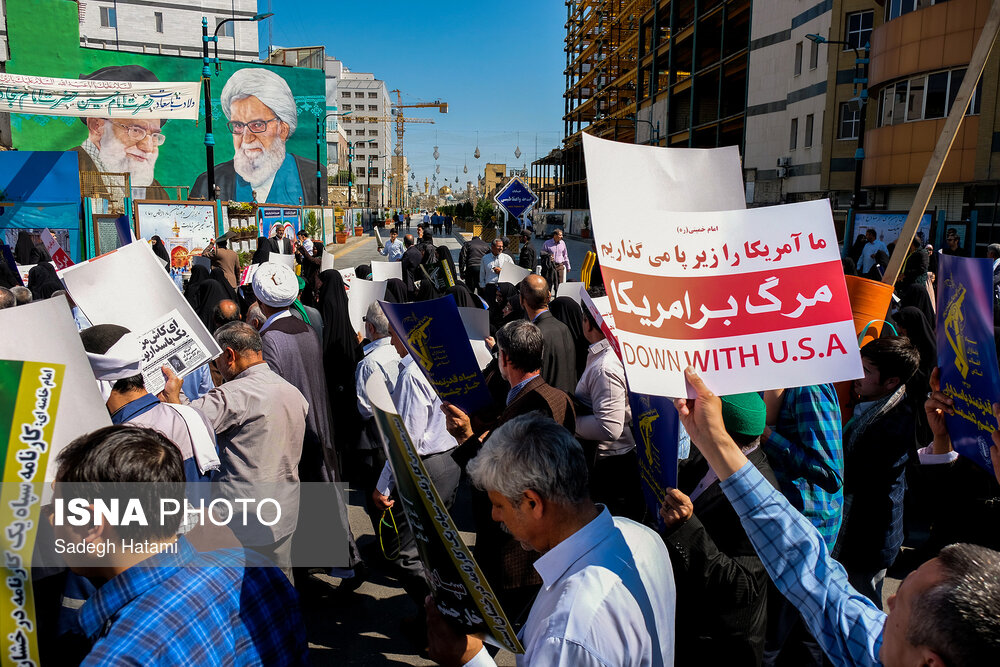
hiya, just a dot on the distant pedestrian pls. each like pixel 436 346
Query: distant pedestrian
pixel 528 254
pixel 448 222
pixel 560 257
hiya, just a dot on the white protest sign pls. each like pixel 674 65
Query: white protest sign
pixel 571 289
pixel 277 258
pixel 387 270
pixel 624 177
pixel 348 275
pixel 753 299
pixel 248 271
pixel 513 274
pixel 23 270
pixel 129 287
pixel 59 256
pixel 378 240
pixel 362 295
pixel 326 263
pixel 476 321
pixel 44 331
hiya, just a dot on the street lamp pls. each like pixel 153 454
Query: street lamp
pixel 368 189
pixel 321 136
pixel 654 130
pixel 350 168
pixel 859 103
pixel 206 75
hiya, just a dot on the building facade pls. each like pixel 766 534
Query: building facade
pixel 786 103
pixel 168 27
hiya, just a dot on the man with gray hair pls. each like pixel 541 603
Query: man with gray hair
pixel 21 294
pixel 380 359
pixel 7 298
pixel 608 596
pixel 261 112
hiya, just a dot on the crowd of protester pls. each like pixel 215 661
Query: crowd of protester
pixel 791 506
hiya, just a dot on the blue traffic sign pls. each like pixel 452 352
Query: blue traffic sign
pixel 516 197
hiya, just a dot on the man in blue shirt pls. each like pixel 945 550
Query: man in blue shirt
pixel 178 606
pixel 944 613
pixel 393 247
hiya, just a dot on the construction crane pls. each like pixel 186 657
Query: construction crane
pixel 397 111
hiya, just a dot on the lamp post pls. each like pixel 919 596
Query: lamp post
pixel 321 136
pixel 350 169
pixel 654 130
pixel 861 91
pixel 206 77
pixel 368 188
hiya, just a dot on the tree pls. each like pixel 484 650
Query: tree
pixel 484 210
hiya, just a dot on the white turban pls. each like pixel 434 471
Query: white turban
pixel 275 285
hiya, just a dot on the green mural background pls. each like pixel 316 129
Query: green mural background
pixel 44 40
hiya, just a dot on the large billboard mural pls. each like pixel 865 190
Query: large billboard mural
pixel 263 117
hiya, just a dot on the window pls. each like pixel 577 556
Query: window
pixel 798 59
pixel 373 107
pixel 359 95
pixel 809 131
pixel 373 96
pixel 372 133
pixel 373 172
pixel 109 17
pixel 372 144
pixel 347 107
pixel 850 120
pixel 361 171
pixel 158 21
pixel 347 132
pixel 346 94
pixel 813 55
pixel 227 28
pixel 896 8
pixel 924 97
pixel 859 29
pixel 793 139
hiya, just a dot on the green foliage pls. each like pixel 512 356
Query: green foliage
pixel 484 211
pixel 311 225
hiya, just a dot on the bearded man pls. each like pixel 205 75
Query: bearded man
pixel 124 145
pixel 261 112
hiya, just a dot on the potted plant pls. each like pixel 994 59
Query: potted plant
pixel 358 229
pixel 341 231
pixel 311 226
pixel 585 232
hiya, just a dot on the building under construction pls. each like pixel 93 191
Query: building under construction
pixel 663 72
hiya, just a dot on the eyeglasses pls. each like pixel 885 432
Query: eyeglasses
pixel 137 133
pixel 255 126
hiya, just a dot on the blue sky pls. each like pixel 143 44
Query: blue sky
pixel 498 65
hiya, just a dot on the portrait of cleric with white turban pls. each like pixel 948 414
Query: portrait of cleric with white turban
pixel 261 115
pixel 124 145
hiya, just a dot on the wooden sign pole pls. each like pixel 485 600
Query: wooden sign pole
pixel 944 143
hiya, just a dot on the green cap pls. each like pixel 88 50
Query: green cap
pixel 744 414
pixel 302 283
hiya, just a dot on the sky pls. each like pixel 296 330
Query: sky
pixel 499 66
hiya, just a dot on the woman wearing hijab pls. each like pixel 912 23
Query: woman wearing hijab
pixel 463 296
pixel 569 312
pixel 444 258
pixel 204 294
pixel 160 250
pixel 42 281
pixel 918 297
pixel 26 251
pixel 912 323
pixel 341 354
pixel 262 251
pixel 363 271
pixel 219 276
pixel 395 291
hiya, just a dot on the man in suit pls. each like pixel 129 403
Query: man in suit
pixel 470 258
pixel 262 115
pixel 506 565
pixel 278 244
pixel 528 253
pixel 559 353
pixel 124 145
pixel 413 257
pixel 225 259
pixel 721 583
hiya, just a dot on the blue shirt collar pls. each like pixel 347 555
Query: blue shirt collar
pixel 516 389
pixel 554 563
pixel 133 409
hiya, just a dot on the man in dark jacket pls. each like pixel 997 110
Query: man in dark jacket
pixel 528 253
pixel 470 258
pixel 721 583
pixel 559 352
pixel 411 261
pixel 878 441
pixel 506 565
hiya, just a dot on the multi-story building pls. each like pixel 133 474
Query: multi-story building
pixel 786 102
pixel 167 27
pixel 665 72
pixel 368 127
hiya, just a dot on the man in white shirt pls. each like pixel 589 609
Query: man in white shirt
pixel 608 593
pixel 869 252
pixel 419 407
pixel 393 247
pixel 489 270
